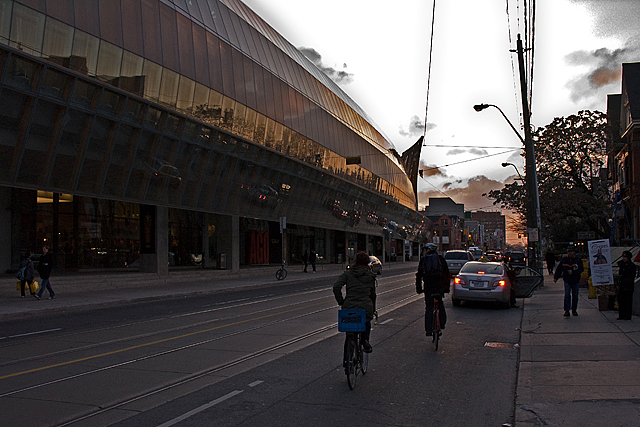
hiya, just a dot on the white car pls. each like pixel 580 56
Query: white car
pixel 456 259
pixel 482 281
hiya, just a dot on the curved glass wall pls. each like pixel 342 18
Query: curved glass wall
pixel 252 89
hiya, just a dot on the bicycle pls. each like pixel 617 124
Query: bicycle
pixel 435 321
pixel 355 360
pixel 281 273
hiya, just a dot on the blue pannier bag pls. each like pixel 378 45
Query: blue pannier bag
pixel 352 320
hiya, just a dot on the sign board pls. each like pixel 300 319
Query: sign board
pixel 586 235
pixel 283 223
pixel 533 234
pixel 600 262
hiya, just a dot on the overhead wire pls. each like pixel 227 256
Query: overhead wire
pixel 426 112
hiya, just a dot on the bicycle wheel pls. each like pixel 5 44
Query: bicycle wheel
pixel 351 367
pixel 281 274
pixel 365 362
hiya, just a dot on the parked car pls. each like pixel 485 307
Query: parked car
pixel 476 252
pixel 375 264
pixel 456 259
pixel 481 281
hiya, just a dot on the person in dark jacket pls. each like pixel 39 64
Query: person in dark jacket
pixel 569 269
pixel 625 286
pixel 550 258
pixel 44 269
pixel 432 278
pixel 360 284
pixel 29 274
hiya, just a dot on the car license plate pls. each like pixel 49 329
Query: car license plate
pixel 478 284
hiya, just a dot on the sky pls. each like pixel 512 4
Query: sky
pixel 378 52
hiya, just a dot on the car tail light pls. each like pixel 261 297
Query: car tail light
pixel 459 281
pixel 501 283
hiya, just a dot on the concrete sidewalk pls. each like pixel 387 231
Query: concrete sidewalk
pixel 577 371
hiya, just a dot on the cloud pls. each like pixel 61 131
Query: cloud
pixel 416 127
pixel 431 170
pixel 604 68
pixel 341 77
pixel 471 194
pixel 474 151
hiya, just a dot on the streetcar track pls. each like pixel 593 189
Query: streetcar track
pixel 245 358
pixel 175 329
pixel 136 396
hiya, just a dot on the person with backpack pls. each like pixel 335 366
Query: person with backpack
pixel 432 278
pixel 44 269
pixel 26 273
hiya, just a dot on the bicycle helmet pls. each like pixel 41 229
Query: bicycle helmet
pixel 431 247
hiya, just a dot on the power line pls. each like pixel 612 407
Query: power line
pixel 426 112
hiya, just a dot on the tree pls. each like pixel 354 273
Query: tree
pixel 570 155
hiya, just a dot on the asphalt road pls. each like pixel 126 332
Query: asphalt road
pixel 269 356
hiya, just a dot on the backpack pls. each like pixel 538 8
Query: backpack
pixel 21 272
pixel 432 264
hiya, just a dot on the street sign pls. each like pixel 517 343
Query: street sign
pixel 533 234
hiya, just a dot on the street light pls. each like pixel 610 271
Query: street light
pixel 533 208
pixel 505 164
pixel 480 107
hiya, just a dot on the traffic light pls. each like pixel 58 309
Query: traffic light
pixel 519 235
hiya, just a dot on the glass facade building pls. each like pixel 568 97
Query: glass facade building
pixel 182 129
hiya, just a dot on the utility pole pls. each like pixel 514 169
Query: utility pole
pixel 534 254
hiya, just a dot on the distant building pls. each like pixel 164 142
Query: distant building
pixel 495 228
pixel 623 152
pixel 447 223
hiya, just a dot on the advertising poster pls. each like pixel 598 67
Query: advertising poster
pixel 600 262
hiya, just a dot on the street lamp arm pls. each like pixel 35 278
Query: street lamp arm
pixel 480 107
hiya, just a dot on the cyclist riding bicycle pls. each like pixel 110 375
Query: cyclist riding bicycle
pixel 433 277
pixel 360 282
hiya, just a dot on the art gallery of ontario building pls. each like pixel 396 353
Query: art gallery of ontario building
pixel 153 135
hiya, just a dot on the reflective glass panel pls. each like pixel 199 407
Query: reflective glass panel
pixel 84 93
pixel 168 25
pixel 27 30
pixel 133 37
pixel 58 42
pixel 200 99
pixel 5 20
pixel 185 43
pixel 95 156
pixel 40 139
pixel 151 33
pixel 152 76
pixel 10 118
pixel 61 9
pixel 85 53
pixel 109 63
pixel 131 78
pixel 214 59
pixel 55 84
pixel 21 73
pixel 169 87
pixel 111 21
pixel 87 17
pixel 201 55
pixel 186 90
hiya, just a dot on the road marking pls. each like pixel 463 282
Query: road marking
pixel 255 383
pixel 200 409
pixel 133 347
pixel 386 321
pixel 31 333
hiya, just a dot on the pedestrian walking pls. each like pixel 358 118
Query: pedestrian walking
pixel 625 286
pixel 28 275
pixel 550 258
pixel 312 259
pixel 305 259
pixel 44 269
pixel 569 269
